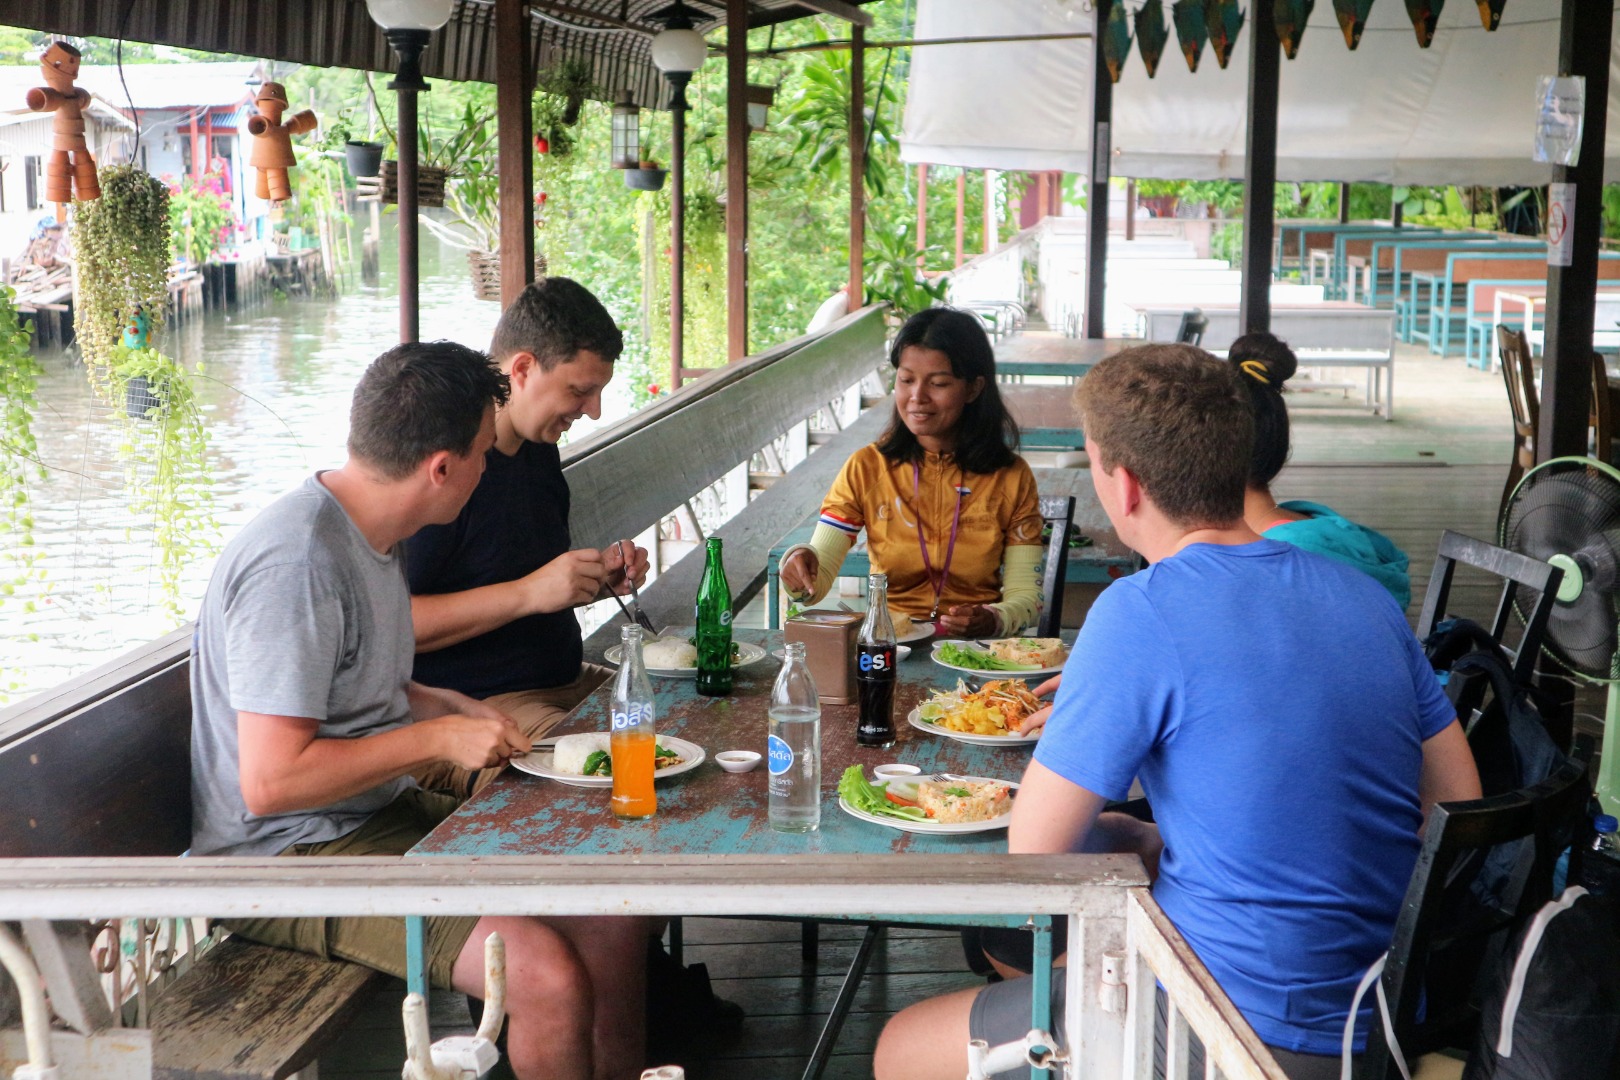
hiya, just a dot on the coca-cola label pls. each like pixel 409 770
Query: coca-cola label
pixel 633 715
pixel 875 659
pixel 778 755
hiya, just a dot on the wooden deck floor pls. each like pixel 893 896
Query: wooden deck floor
pixel 1439 465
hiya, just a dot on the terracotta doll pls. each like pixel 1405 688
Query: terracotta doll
pixel 272 142
pixel 70 167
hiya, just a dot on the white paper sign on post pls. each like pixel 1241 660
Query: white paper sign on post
pixel 1560 224
pixel 1560 113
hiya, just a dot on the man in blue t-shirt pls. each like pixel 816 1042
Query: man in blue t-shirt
pixel 1274 704
pixel 493 592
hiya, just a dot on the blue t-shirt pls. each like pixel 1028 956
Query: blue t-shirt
pixel 1274 704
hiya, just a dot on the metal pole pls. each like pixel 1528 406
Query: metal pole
pixel 989 211
pixel 1575 214
pixel 857 168
pixel 515 116
pixel 677 227
pixel 961 210
pixel 922 213
pixel 410 321
pixel 737 179
pixel 1344 204
pixel 1102 108
pixel 1130 210
pixel 1260 170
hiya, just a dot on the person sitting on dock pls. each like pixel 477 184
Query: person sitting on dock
pixel 949 508
pixel 1277 709
pixel 494 590
pixel 306 724
pixel 1266 364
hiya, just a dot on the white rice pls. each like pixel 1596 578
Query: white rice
pixel 572 750
pixel 670 653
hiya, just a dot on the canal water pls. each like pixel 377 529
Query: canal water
pixel 275 397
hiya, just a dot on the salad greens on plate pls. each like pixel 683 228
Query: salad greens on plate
pixel 855 789
pixel 962 656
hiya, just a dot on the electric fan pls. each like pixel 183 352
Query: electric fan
pixel 1567 512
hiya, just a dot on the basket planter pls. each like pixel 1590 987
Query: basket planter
pixel 645 179
pixel 486 273
pixel 429 183
pixel 364 158
pixel 141 397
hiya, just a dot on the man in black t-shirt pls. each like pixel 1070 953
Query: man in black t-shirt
pixel 493 593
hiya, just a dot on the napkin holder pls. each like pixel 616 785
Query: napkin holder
pixel 829 651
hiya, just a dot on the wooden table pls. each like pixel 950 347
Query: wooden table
pixel 1105 559
pixel 1025 354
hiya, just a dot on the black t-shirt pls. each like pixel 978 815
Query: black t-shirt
pixel 515 522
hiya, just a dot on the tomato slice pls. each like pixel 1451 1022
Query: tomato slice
pixel 897 800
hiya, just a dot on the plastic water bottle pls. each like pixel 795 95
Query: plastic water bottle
pixel 793 746
pixel 632 743
pixel 1605 841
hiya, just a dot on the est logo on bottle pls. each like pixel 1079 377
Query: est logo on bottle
pixel 778 755
pixel 877 661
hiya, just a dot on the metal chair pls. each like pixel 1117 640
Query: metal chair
pixel 1193 325
pixel 1519 372
pixel 1449 927
pixel 1058 513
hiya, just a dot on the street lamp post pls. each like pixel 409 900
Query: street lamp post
pixel 678 51
pixel 407 25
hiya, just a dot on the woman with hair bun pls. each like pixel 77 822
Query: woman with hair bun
pixel 1266 364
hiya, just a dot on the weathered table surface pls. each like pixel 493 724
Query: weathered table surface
pixel 1027 354
pixel 710 811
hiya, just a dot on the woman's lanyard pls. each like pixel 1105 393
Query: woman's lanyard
pixel 936 583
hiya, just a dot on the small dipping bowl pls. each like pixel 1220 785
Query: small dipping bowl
pixel 902 651
pixel 896 772
pixel 737 760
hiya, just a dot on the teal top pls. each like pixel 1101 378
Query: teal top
pixel 1327 533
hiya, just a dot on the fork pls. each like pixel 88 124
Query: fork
pixel 639 616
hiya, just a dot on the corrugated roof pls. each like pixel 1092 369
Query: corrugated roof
pixel 340 33
pixel 220 86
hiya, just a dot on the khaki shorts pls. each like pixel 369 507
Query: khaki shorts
pixel 376 942
pixel 536 712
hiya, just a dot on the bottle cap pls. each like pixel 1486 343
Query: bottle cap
pixel 1606 823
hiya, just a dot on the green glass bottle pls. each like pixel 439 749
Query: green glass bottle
pixel 713 619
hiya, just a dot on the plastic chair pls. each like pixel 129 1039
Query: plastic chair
pixel 1193 325
pixel 1519 372
pixel 1058 512
pixel 1602 413
pixel 1449 927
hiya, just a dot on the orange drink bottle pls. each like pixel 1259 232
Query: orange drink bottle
pixel 633 743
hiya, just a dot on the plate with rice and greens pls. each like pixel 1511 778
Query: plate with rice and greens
pixel 585 759
pixel 1019 657
pixel 676 657
pixel 954 804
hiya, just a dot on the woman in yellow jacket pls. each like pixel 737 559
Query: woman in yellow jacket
pixel 949 508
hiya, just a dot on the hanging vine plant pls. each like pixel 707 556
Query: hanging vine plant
pixel 122 247
pixel 19 453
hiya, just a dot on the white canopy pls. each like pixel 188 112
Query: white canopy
pixel 1460 112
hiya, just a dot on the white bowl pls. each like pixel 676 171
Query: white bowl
pixel 896 771
pixel 737 760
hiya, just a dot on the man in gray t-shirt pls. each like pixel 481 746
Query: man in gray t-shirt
pixel 306 726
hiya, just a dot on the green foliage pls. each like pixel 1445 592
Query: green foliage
pixel 165 454
pixel 121 246
pixel 472 196
pixel 818 109
pixel 200 217
pixel 19 452
pixel 891 270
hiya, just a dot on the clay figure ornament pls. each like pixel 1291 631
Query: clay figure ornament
pixel 272 142
pixel 70 167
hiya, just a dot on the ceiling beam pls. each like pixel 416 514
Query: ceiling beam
pixel 841 9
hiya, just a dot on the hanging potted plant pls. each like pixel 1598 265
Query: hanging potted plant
pixel 19 453
pixel 571 81
pixel 122 246
pixel 474 223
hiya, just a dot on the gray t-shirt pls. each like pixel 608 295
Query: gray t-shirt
pixel 301 618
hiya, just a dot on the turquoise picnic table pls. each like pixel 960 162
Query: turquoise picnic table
pixel 1066 357
pixel 1099 562
pixel 708 811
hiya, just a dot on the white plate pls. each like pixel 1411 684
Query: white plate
pixel 538 763
pixel 921 630
pixel 906 825
pixel 746 654
pixel 969 737
pixel 1025 673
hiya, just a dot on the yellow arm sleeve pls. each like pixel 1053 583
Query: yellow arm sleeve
pixel 830 546
pixel 1020 588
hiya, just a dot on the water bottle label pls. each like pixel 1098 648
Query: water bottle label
pixel 633 715
pixel 778 755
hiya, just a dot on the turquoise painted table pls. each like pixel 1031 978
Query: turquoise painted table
pixel 1037 354
pixel 712 812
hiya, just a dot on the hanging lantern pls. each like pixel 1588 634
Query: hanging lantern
pixel 760 99
pixel 1424 13
pixel 1352 19
pixel 1116 40
pixel 625 151
pixel 1223 19
pixel 1190 30
pixel 1290 17
pixel 1490 13
pixel 1151 34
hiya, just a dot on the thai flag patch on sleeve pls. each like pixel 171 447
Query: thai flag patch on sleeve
pixel 839 523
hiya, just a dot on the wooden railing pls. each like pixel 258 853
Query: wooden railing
pixel 1110 914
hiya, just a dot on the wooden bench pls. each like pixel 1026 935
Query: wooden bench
pixel 100 767
pixel 1446 298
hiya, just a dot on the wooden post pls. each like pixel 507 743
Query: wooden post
pixel 1130 209
pixel 1260 170
pixel 922 213
pixel 1578 216
pixel 1102 108
pixel 677 229
pixel 1041 189
pixel 989 212
pixel 194 155
pixel 736 179
pixel 857 167
pixel 961 210
pixel 515 127
pixel 410 319
pixel 1344 204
